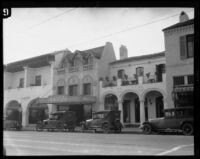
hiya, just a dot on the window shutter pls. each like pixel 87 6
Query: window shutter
pixel 183 48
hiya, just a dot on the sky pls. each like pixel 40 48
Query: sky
pixel 31 32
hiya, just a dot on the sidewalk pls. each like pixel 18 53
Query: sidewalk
pixel 125 130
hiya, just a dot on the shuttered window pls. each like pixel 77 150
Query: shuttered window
pixel 183 48
pixel 187 46
pixel 190 79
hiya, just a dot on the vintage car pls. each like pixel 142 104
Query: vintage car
pixel 103 120
pixel 11 124
pixel 178 119
pixel 60 120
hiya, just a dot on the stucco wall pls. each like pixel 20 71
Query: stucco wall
pixel 15 78
pixel 108 56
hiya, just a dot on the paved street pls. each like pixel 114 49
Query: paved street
pixel 63 143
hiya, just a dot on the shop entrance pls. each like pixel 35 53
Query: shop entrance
pixel 79 112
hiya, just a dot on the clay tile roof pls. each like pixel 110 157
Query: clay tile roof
pixel 189 22
pixel 136 58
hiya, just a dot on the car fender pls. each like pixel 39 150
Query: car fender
pixel 104 123
pixel 185 121
pixel 154 128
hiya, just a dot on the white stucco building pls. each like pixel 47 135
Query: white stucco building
pixel 136 85
pixel 24 82
pixel 179 48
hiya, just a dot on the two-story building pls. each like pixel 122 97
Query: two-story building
pixel 24 82
pixel 136 86
pixel 179 48
pixel 76 83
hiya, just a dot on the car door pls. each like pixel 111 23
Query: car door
pixel 168 122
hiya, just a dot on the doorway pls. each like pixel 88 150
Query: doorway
pixel 159 107
pixel 78 109
pixel 126 111
pixel 137 110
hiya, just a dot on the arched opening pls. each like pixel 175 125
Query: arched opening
pixel 37 112
pixel 14 111
pixel 154 105
pixel 110 102
pixel 131 108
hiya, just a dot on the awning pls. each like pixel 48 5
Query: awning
pixel 184 89
pixel 63 99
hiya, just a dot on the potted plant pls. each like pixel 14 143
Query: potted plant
pixel 101 79
pixel 114 78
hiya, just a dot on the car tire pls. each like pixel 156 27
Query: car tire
pixel 106 129
pixel 60 127
pixel 39 127
pixel 147 129
pixel 187 129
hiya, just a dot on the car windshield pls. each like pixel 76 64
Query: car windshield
pixel 99 116
pixel 169 113
pixel 53 116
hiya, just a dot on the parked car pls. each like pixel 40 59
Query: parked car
pixel 60 120
pixel 11 124
pixel 104 120
pixel 178 119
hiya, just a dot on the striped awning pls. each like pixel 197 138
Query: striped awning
pixel 184 89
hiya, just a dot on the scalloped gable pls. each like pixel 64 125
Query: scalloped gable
pixel 96 52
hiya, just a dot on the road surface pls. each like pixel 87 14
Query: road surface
pixel 32 143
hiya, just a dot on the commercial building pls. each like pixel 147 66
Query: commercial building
pixel 136 86
pixel 24 82
pixel 179 50
pixel 76 82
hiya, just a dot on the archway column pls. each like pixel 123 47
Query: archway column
pixel 165 103
pixel 121 109
pixel 142 111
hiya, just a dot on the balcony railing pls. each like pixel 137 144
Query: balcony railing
pixel 133 81
pixel 73 69
pixel 87 67
pixel 109 83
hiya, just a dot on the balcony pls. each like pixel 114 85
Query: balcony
pixel 87 67
pixel 141 82
pixel 73 69
pixel 27 92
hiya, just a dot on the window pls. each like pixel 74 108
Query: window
pixel 61 90
pixel 38 80
pixel 21 82
pixel 87 89
pixel 120 74
pixel 140 71
pixel 73 90
pixel 187 46
pixel 190 79
pixel 179 80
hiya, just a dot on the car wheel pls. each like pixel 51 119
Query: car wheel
pixel 187 129
pixel 147 129
pixel 60 127
pixel 106 129
pixel 39 127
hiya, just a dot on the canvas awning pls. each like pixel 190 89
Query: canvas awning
pixel 184 89
pixel 64 99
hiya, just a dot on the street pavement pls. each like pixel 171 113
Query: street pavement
pixel 33 143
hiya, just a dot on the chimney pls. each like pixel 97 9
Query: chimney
pixel 123 52
pixel 183 17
